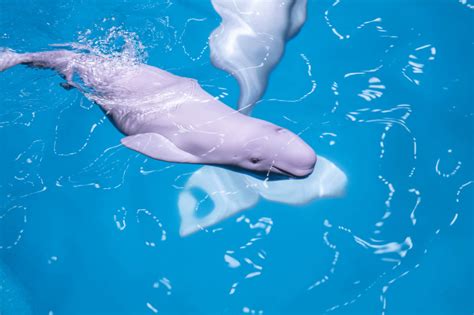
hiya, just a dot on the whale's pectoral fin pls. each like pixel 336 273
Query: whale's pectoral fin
pixel 158 147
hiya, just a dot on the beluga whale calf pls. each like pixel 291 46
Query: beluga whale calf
pixel 171 118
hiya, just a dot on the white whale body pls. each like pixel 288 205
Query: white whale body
pixel 251 39
pixel 171 118
pixel 232 192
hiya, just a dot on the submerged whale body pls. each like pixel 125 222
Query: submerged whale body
pixel 251 39
pixel 232 192
pixel 171 118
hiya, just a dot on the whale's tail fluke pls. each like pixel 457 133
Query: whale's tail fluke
pixel 58 60
pixel 9 58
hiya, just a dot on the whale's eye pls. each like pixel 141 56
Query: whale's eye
pixel 255 160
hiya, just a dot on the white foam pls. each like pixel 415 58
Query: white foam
pixel 250 41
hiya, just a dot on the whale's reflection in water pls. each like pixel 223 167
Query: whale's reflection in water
pixel 232 192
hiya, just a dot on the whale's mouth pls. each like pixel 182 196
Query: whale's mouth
pixel 299 174
pixel 278 170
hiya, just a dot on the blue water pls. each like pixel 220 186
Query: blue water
pixel 85 229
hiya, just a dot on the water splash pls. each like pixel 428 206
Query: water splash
pixel 382 247
pixel 262 228
pixel 311 90
pixel 120 217
pixel 458 196
pixel 417 61
pixel 116 42
pixel 418 200
pixel 453 171
pixel 6 226
pixel 248 310
pixel 198 56
pixel 107 171
pixel 79 100
pixel 384 117
pixel 341 36
pixel 374 90
pixel 154 224
pixel 329 135
pixel 27 179
pixel 334 261
pixel 388 201
pixel 164 283
pixel 467 4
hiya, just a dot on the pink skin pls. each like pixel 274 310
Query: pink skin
pixel 141 99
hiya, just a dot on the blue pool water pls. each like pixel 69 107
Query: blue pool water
pixel 381 88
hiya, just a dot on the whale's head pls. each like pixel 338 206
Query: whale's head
pixel 277 150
